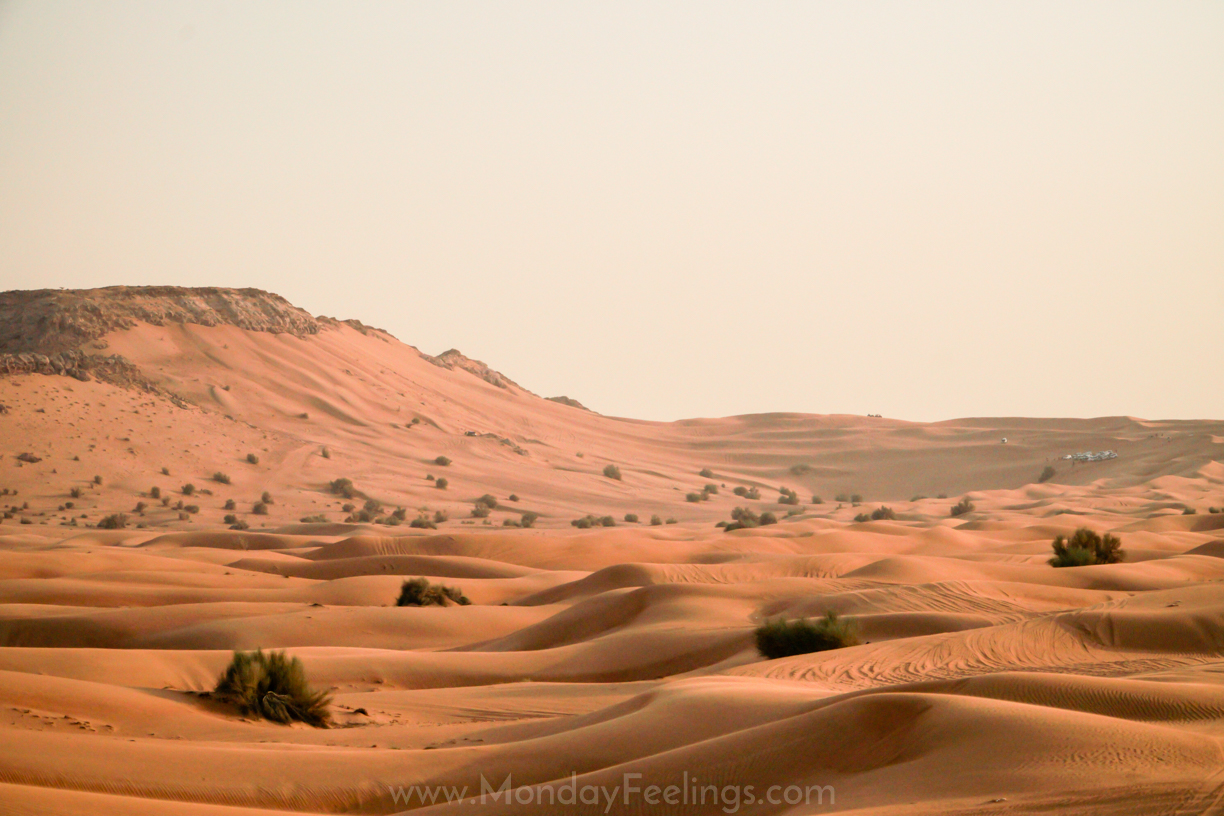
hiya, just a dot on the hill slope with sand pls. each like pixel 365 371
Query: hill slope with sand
pixel 986 681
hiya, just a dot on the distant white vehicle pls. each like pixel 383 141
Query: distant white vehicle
pixel 1004 442
pixel 1089 456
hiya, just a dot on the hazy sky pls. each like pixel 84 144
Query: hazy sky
pixel 925 210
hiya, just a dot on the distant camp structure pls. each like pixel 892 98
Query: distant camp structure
pixel 1089 456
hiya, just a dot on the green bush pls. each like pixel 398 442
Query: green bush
pixel 77 493
pixel 253 458
pixel 607 521
pixel 440 516
pixel 1188 511
pixel 856 498
pixel 1047 473
pixel 115 521
pixel 317 518
pixel 862 517
pixel 442 483
pixel 442 461
pixel 154 492
pixel 191 508
pixel 743 518
pixel 97 480
pixel 528 519
pixel 419 592
pixel 266 498
pixel 712 489
pixel 962 507
pixel 220 477
pixel 229 505
pixel 343 487
pixel 781 638
pixel 188 489
pixel 584 523
pixel 488 501
pixel 274 687
pixel 260 509
pixel 787 496
pixel 612 472
pixel 817 500
pixel 1086 547
pixel 706 473
pixel 480 511
pixel 655 521
pixel 230 518
pixel 1213 510
pixel 325 453
pixel 693 497
pixel 841 497
pixel 632 518
pixel 423 523
pixel 240 524
pixel 513 497
pixel 883 513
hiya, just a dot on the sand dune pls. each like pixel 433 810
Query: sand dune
pixel 986 681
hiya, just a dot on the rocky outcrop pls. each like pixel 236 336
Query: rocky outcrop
pixel 112 368
pixel 573 403
pixel 453 358
pixel 47 321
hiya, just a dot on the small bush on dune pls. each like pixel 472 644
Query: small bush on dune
pixel 480 511
pixel 260 509
pixel 440 516
pixel 488 500
pixel 1189 511
pixel 442 461
pixel 1085 548
pixel 230 519
pixel 97 480
pixel 1047 473
pixel 240 524
pixel 317 518
pixel 862 517
pixel 841 497
pixel 780 638
pixel 706 473
pixel 115 521
pixel 607 521
pixel 856 498
pixel 513 497
pixel 423 523
pixel 673 520
pixel 787 496
pixel 631 518
pixel 419 592
pixel 221 477
pixel 692 497
pixel 188 489
pixel 655 521
pixel 229 505
pixel 817 500
pixel 253 458
pixel 712 489
pixel 343 487
pixel 612 472
pixel 962 507
pixel 325 453
pixel 528 519
pixel 883 513
pixel 272 686
pixel 442 483
pixel 154 492
pixel 77 493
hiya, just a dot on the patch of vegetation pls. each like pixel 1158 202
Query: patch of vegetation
pixel 743 518
pixel 442 483
pixel 442 461
pixel 962 507
pixel 747 492
pixel 528 519
pixel 787 496
pixel 513 497
pixel 191 508
pixel 655 521
pixel 799 470
pixel 1086 547
pixel 154 492
pixel 856 498
pixel 883 513
pixel 220 477
pixel 260 508
pixel 632 518
pixel 230 505
pixel 440 516
pixel 780 638
pixel 694 497
pixel 423 524
pixel 841 497
pixel 1047 473
pixel 317 518
pixel 28 458
pixel 343 487
pixel 273 687
pixel 325 453
pixel 419 592
pixel 1189 511
pixel 706 473
pixel 240 524
pixel 77 493
pixel 672 520
pixel 488 500
pixel 817 500
pixel 266 498
pixel 612 472
pixel 861 517
pixel 253 458
pixel 711 489
pixel 115 521
pixel 188 489
pixel 480 510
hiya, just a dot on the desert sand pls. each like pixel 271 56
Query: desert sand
pixel 988 681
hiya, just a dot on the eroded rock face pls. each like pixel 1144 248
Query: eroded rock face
pixel 453 358
pixel 47 321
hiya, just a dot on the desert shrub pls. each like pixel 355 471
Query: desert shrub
pixel 1047 473
pixel 442 483
pixel 488 501
pixel 480 511
pixel 1086 547
pixel 1188 511
pixel 165 500
pixel 612 472
pixel 817 500
pixel 229 505
pixel 962 507
pixel 672 520
pixel 781 638
pixel 509 522
pixel 266 498
pixel 423 524
pixel 97 480
pixel 883 513
pixel 740 491
pixel 655 521
pixel 442 461
pixel 856 498
pixel 742 518
pixel 115 521
pixel 154 492
pixel 513 497
pixel 768 518
pixel 607 521
pixel 343 487
pixel 440 516
pixel 706 473
pixel 419 592
pixel 165 471
pixel 240 524
pixel 373 507
pixel 917 498
pixel 787 496
pixel 1213 510
pixel 317 518
pixel 220 477
pixel 188 489
pixel 192 508
pixel 230 518
pixel 178 505
pixel 632 518
pixel 529 518
pixel 799 470
pixel 841 497
pixel 274 687
pixel 69 505
pixel 693 497
pixel 942 496
pixel 325 453
pixel 862 517
pixel 77 493
pixel 584 523
pixel 712 489
pixel 400 513
pixel 28 457
pixel 260 509
pixel 348 507
pixel 253 458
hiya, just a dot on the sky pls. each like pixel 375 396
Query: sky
pixel 663 209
